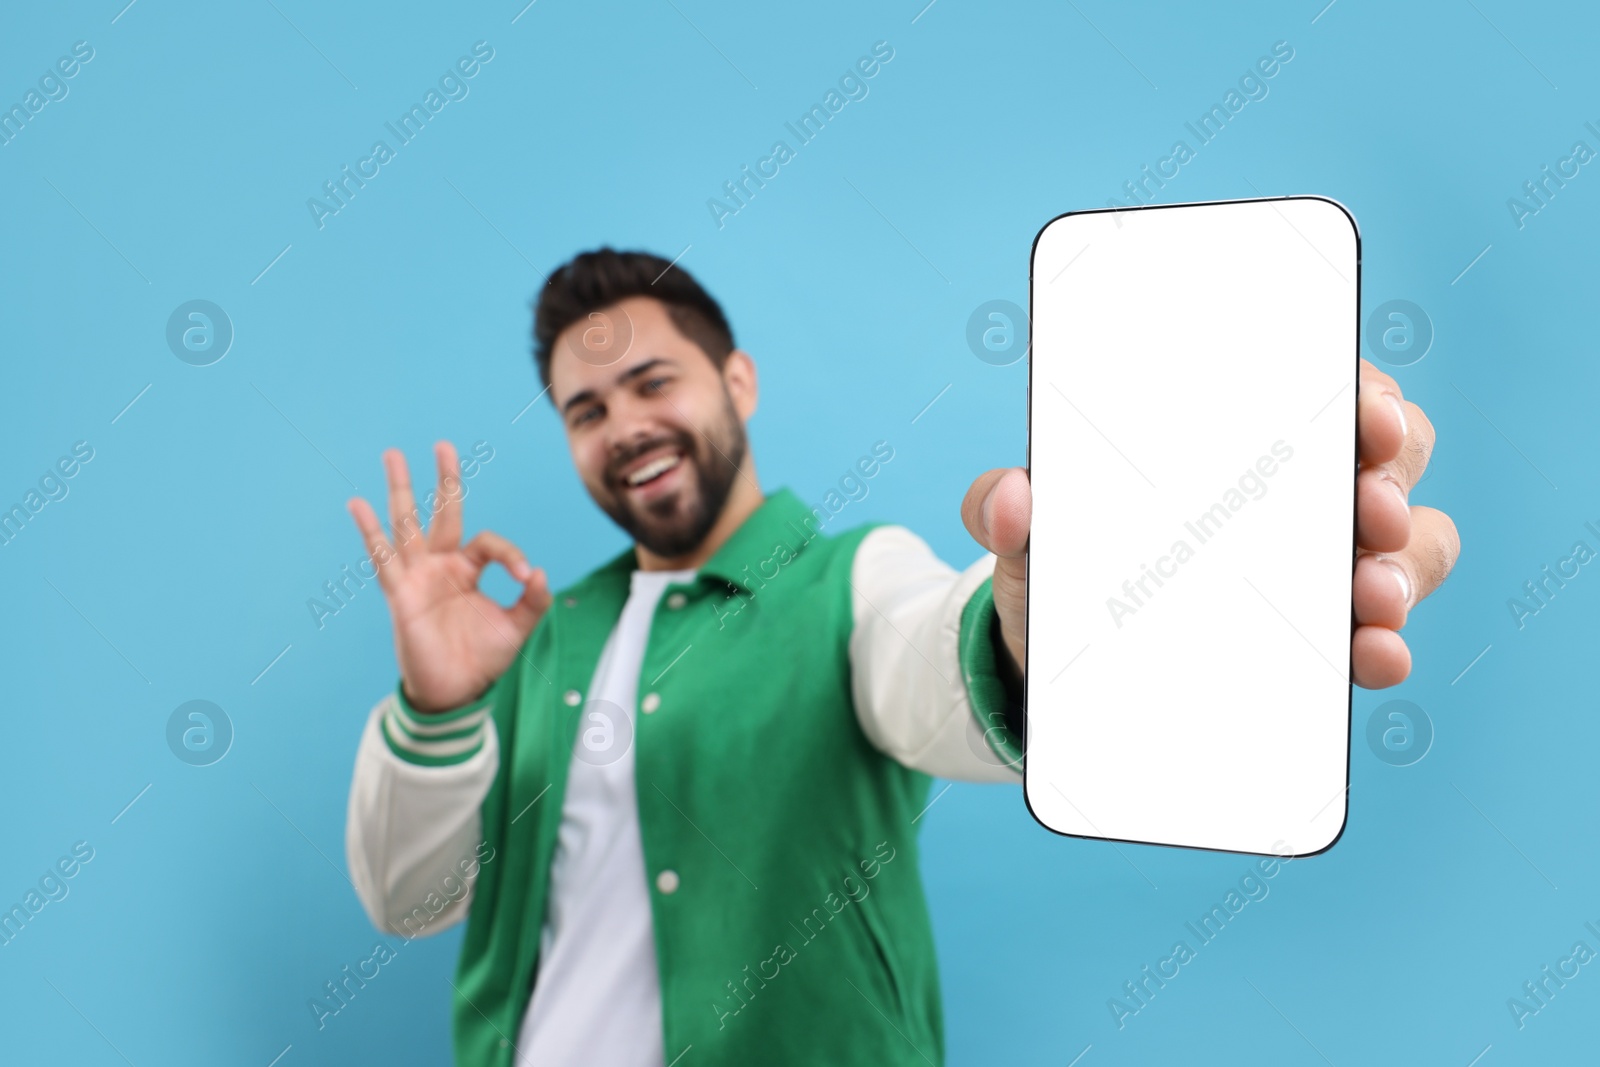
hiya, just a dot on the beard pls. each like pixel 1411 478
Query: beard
pixel 675 525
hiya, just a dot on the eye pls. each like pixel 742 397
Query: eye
pixel 584 416
pixel 655 384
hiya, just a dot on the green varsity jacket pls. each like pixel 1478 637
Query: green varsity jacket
pixel 794 701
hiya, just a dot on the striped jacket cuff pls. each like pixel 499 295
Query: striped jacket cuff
pixel 986 690
pixel 436 739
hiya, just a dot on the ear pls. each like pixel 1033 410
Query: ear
pixel 739 376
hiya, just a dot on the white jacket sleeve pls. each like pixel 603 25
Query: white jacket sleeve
pixel 913 692
pixel 412 832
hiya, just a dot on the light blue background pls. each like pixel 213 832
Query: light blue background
pixel 184 555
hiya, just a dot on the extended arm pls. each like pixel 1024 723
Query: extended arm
pixel 927 675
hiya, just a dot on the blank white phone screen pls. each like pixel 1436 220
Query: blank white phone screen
pixel 1192 449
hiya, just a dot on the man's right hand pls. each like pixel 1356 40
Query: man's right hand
pixel 451 640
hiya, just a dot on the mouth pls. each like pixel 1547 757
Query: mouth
pixel 652 471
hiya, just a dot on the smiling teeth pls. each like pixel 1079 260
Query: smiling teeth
pixel 653 468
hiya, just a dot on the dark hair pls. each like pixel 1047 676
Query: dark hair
pixel 594 280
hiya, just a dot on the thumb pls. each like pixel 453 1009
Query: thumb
pixel 997 512
pixel 532 604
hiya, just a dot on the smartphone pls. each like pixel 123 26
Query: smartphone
pixel 1192 386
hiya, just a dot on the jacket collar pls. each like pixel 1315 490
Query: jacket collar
pixel 781 519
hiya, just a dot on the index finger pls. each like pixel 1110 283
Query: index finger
pixel 1381 416
pixel 1394 434
pixel 378 547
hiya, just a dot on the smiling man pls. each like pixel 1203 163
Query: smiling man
pixel 683 835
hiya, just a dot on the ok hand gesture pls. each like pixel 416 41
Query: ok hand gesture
pixel 451 640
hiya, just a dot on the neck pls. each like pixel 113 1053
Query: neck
pixel 742 502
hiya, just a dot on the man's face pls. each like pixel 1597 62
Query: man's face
pixel 656 431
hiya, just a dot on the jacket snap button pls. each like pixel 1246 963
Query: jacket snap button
pixel 650 703
pixel 570 601
pixel 667 881
pixel 676 601
pixel 573 698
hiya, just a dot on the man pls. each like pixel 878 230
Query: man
pixel 675 801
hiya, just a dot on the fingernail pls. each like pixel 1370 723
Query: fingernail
pixel 988 506
pixel 1400 410
pixel 1400 490
pixel 1401 577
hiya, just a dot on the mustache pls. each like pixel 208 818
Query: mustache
pixel 682 441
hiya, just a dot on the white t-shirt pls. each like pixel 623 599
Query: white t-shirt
pixel 597 999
